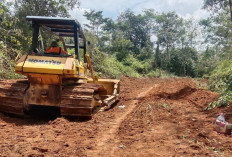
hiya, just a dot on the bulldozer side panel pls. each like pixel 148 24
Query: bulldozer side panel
pixel 65 66
pixel 43 64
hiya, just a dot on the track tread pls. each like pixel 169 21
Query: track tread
pixel 78 100
pixel 11 96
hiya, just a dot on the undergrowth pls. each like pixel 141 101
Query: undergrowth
pixel 221 82
pixel 7 64
pixel 108 66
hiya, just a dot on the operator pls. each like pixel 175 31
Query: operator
pixel 55 49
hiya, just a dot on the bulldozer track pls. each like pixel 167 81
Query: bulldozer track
pixel 78 100
pixel 11 96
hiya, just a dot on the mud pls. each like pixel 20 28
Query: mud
pixel 162 117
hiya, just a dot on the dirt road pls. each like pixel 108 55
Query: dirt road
pixel 161 117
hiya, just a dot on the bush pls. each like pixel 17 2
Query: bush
pixel 221 77
pixel 223 100
pixel 7 65
pixel 221 82
pixel 109 66
pixel 160 73
pixel 138 66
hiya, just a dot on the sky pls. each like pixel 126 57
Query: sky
pixel 112 8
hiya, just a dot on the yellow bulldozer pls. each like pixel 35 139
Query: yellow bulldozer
pixel 63 81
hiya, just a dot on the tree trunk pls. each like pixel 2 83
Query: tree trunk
pixel 157 55
pixel 168 54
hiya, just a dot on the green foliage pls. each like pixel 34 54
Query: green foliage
pixel 216 60
pixel 142 67
pixel 221 78
pixel 207 62
pixel 7 64
pixel 182 62
pixel 221 81
pixel 128 39
pixel 168 29
pixel 44 7
pixel 10 43
pixel 96 20
pixel 215 5
pixel 136 28
pixel 222 101
pixel 122 47
pixel 160 73
pixel 109 66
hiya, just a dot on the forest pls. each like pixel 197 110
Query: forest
pixel 148 44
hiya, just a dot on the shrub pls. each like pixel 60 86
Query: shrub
pixel 109 66
pixel 7 65
pixel 221 81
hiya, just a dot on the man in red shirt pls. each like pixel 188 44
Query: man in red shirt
pixel 55 49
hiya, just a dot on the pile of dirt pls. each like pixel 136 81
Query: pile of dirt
pixel 173 89
pixel 58 121
pixel 183 89
pixel 202 98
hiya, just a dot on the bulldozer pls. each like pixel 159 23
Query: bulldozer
pixel 63 81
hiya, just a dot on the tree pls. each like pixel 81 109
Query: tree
pixel 168 27
pixel 100 27
pixel 215 5
pixel 11 40
pixel 182 61
pixel 44 7
pixel 189 35
pixel 122 47
pixel 136 28
pixel 217 32
pixel 9 35
pixel 96 20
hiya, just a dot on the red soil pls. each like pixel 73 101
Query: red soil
pixel 162 117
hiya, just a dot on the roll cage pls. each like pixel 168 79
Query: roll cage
pixel 61 27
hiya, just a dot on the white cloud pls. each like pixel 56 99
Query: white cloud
pixel 112 8
pixel 198 14
pixel 78 14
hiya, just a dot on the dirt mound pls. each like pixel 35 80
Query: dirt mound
pixel 202 97
pixel 173 88
pixel 183 89
pixel 58 121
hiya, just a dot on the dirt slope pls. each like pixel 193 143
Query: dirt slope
pixel 162 117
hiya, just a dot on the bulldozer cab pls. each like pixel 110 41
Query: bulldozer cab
pixel 66 30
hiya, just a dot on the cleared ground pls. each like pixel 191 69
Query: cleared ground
pixel 161 117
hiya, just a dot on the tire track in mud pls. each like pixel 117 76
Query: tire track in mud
pixel 107 142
